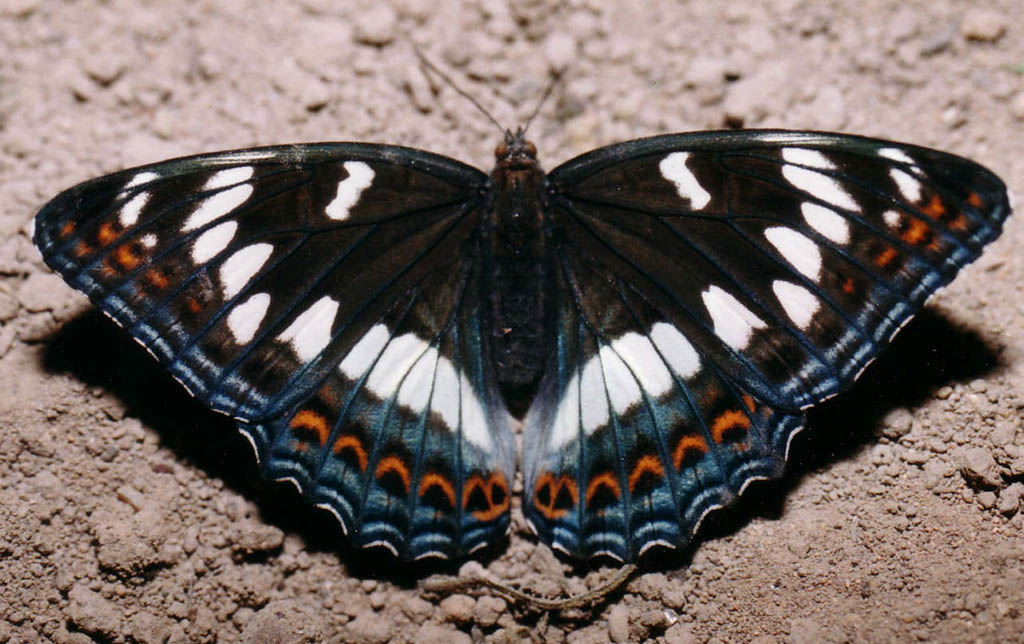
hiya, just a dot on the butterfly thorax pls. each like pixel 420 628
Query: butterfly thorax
pixel 517 271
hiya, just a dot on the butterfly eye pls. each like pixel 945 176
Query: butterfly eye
pixel 501 151
pixel 531 149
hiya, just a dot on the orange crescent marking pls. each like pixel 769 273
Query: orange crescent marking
pixel 157 279
pixel 394 464
pixel 934 208
pixel 974 199
pixel 604 479
pixel 433 479
pixel 125 258
pixel 687 443
pixel 487 487
pixel 727 420
pixel 67 228
pixel 353 443
pixel 547 479
pixel 916 232
pixel 106 234
pixel 884 258
pixel 646 463
pixel 749 401
pixel 959 222
pixel 311 421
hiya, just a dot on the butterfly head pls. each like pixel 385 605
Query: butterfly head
pixel 515 152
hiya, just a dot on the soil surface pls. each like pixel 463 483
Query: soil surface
pixel 128 513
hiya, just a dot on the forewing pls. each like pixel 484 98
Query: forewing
pixel 272 282
pixel 723 283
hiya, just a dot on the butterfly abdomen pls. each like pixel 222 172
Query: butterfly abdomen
pixel 518 279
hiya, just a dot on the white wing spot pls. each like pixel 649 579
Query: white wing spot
pixel 310 333
pixel 908 184
pixel 394 362
pixel 141 178
pixel 130 211
pixel 827 222
pixel 895 154
pixel 242 266
pixel 474 419
pixel 213 241
pixel 673 167
pixel 643 360
pixel 148 240
pixel 677 351
pixel 451 395
pixel 359 178
pixel 566 426
pixel 415 390
pixel 734 323
pixel 804 156
pixel 813 182
pixel 229 177
pixel 891 218
pixel 244 320
pixel 799 303
pixel 623 391
pixel 797 249
pixel 594 412
pixel 216 206
pixel 445 401
pixel 613 380
pixel 361 356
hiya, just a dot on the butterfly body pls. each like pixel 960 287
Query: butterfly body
pixel 518 286
pixel 663 310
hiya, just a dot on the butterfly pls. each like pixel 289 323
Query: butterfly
pixel 659 313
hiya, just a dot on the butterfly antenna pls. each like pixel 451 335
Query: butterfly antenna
pixel 432 67
pixel 555 77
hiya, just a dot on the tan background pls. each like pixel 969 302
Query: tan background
pixel 127 513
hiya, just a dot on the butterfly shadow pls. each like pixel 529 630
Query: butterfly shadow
pixel 928 353
pixel 99 354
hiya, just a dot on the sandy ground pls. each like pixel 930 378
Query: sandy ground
pixel 130 514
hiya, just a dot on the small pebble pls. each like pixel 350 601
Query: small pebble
pixel 1004 433
pixel 457 608
pixel 618 623
pixel 369 628
pixel 488 610
pixel 1009 499
pixel 435 634
pixel 43 292
pixel 984 25
pixel 131 496
pixel 979 468
pixel 986 499
pixel 799 547
pixel 90 612
pixel 376 25
pixel 681 634
pixel 897 423
pixel 916 457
